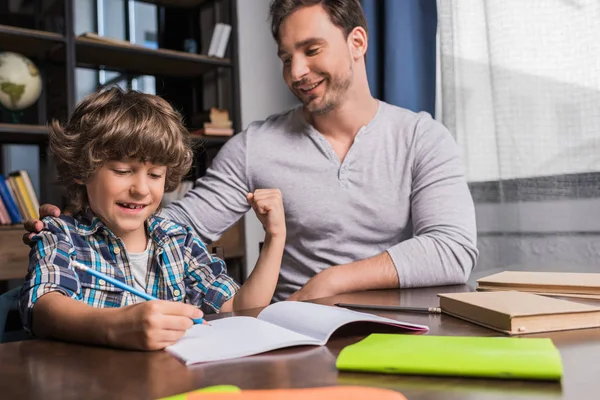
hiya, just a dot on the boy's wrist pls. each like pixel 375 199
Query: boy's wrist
pixel 274 237
pixel 108 332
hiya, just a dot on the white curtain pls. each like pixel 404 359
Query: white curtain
pixel 520 89
pixel 521 85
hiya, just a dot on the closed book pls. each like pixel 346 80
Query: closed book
pixel 215 40
pixel 491 357
pixel 4 218
pixel 210 131
pixel 20 186
pixel 31 191
pixel 9 202
pixel 580 283
pixel 223 40
pixel 14 190
pixel 519 313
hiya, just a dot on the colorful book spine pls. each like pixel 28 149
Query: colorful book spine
pixel 16 194
pixel 9 202
pixel 19 184
pixel 4 217
pixel 31 192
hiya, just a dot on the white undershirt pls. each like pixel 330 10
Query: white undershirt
pixel 138 263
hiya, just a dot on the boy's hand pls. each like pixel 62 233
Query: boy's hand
pixel 151 325
pixel 268 206
pixel 33 226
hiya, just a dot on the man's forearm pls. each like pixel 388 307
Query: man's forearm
pixel 60 317
pixel 377 272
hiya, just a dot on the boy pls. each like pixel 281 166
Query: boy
pixel 116 156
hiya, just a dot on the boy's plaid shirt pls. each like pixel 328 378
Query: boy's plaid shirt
pixel 180 267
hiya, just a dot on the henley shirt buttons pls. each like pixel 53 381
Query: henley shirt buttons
pixel 102 282
pixel 176 292
pixel 116 250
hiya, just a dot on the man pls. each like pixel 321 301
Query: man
pixel 375 195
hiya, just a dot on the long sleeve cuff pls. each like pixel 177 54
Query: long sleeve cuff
pixel 428 260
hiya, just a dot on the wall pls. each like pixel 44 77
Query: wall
pixel 263 91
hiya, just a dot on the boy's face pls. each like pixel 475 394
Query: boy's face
pixel 317 64
pixel 123 194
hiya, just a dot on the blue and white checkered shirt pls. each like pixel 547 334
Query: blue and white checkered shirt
pixel 180 268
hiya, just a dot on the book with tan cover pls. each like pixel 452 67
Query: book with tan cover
pixel 519 313
pixel 543 282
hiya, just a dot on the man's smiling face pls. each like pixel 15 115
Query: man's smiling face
pixel 317 64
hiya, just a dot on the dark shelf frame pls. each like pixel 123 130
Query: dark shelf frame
pixel 132 59
pixel 23 134
pixel 30 42
pixel 178 3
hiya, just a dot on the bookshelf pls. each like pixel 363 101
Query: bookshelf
pixel 192 82
pixel 14 254
pixel 23 134
pixel 178 3
pixel 134 59
pixel 29 42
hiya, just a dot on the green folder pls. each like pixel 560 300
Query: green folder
pixel 492 357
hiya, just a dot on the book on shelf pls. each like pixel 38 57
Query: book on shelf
pixel 564 284
pixel 209 130
pixel 217 117
pixel 280 325
pixel 18 197
pixel 9 202
pixel 219 40
pixel 519 313
pixel 4 217
pixel 215 122
pixel 30 191
pixel 30 203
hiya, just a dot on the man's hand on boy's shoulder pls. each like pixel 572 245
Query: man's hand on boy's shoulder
pixel 33 226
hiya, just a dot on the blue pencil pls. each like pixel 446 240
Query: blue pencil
pixel 122 285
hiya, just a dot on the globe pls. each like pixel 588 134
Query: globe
pixel 20 81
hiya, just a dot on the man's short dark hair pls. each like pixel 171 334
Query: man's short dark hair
pixel 345 14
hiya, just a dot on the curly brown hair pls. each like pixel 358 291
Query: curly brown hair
pixel 114 124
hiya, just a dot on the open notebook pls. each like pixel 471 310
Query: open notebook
pixel 284 324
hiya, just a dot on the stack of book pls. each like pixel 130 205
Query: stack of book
pixel 519 313
pixel 562 284
pixel 215 122
pixel 18 200
pixel 520 302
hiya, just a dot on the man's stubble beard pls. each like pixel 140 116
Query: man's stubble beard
pixel 337 91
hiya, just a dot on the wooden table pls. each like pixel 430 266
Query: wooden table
pixel 41 369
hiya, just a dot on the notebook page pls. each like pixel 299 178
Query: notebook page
pixel 233 337
pixel 320 321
